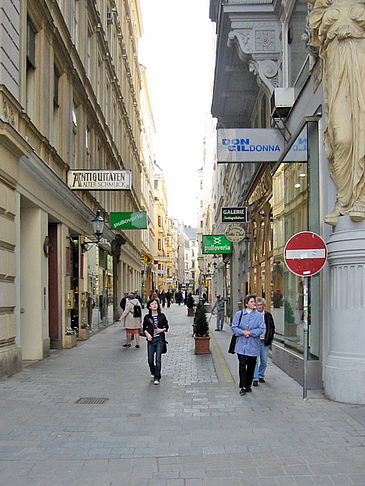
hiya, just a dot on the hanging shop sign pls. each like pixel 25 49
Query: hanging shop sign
pixel 128 221
pixel 234 233
pixel 234 215
pixel 236 145
pixel 216 244
pixel 162 259
pixel 147 259
pixel 161 272
pixel 99 180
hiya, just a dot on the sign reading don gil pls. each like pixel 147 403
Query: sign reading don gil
pixel 249 145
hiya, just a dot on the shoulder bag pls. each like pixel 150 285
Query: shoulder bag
pixel 232 344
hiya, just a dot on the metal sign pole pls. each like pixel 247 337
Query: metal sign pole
pixel 305 337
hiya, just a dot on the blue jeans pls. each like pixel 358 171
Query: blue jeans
pixel 260 369
pixel 220 320
pixel 154 349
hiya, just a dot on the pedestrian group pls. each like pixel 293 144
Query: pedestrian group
pixel 253 331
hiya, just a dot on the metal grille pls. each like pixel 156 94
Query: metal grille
pixel 91 401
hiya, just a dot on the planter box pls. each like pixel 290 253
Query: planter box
pixel 84 334
pixel 190 312
pixel 202 345
pixel 69 341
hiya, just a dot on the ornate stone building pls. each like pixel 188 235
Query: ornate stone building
pixel 263 46
pixel 70 86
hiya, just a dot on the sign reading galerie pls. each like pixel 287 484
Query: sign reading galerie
pixel 128 221
pixel 99 180
pixel 249 145
pixel 216 244
pixel 234 215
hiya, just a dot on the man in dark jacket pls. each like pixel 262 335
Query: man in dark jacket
pixel 266 340
pixel 123 301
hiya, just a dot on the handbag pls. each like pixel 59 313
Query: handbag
pixel 141 332
pixel 164 347
pixel 232 344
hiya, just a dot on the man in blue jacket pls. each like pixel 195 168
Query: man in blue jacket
pixel 247 326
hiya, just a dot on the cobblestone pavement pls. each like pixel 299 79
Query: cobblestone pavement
pixel 192 430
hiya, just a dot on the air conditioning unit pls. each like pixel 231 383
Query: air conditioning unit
pixel 109 18
pixel 282 100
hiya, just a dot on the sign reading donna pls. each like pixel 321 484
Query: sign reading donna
pixel 99 180
pixel 216 244
pixel 125 221
pixel 249 145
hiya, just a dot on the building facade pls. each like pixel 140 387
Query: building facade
pixel 261 47
pixel 70 99
pixel 161 257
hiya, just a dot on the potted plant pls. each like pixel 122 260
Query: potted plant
pixel 202 338
pixel 70 338
pixel 190 305
pixel 84 332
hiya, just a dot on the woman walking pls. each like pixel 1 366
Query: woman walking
pixel 132 318
pixel 247 326
pixel 154 327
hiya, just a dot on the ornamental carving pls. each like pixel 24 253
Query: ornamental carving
pixel 265 40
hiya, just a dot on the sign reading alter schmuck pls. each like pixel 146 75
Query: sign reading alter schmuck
pixel 127 221
pixel 99 180
pixel 249 145
pixel 216 244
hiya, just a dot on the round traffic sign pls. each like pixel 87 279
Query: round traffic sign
pixel 148 258
pixel 305 254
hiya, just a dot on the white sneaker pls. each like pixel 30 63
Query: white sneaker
pixel 156 382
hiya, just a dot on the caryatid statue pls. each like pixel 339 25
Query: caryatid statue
pixel 339 31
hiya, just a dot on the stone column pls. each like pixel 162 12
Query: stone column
pixel 344 372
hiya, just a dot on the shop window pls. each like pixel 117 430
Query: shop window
pixel 291 181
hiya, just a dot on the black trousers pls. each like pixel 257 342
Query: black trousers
pixel 246 369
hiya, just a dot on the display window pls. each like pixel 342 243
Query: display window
pixel 295 209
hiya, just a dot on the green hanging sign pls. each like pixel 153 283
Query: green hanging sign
pixel 216 244
pixel 125 221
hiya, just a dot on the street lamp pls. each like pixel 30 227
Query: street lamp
pixel 98 225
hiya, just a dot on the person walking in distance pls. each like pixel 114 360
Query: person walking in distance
pixel 247 326
pixel 132 317
pixel 123 301
pixel 265 341
pixel 154 327
pixel 219 305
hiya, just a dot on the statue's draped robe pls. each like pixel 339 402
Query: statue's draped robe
pixel 338 30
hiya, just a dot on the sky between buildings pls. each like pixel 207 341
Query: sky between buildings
pixel 177 50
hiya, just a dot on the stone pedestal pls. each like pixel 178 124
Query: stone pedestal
pixel 344 371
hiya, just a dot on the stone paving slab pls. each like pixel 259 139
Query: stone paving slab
pixel 193 429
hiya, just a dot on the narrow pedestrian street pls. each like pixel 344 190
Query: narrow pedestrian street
pixel 192 430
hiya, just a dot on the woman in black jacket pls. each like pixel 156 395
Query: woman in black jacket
pixel 154 327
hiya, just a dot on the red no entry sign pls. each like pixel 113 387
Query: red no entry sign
pixel 305 254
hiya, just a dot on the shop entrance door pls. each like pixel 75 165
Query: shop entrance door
pixel 54 317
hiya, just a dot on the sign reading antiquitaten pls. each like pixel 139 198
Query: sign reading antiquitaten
pixel 99 180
